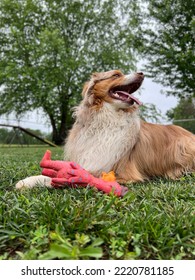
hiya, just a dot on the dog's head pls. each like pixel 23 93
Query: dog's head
pixel 112 87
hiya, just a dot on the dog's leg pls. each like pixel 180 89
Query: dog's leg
pixel 127 172
pixel 122 181
pixel 33 181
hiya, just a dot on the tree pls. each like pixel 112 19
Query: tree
pixel 184 114
pixel 16 136
pixel 170 45
pixel 49 48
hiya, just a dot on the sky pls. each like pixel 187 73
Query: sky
pixel 150 93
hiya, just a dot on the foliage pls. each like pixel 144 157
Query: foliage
pixel 149 112
pixel 170 44
pixel 155 220
pixel 49 48
pixel 184 114
pixel 14 136
pixel 61 248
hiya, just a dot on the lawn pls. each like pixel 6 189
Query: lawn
pixel 155 220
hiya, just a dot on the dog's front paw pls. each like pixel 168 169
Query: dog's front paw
pixel 33 181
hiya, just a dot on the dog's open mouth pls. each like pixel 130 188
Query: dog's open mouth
pixel 124 93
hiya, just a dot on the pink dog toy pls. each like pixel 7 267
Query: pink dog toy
pixel 70 173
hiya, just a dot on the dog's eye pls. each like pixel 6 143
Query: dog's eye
pixel 116 75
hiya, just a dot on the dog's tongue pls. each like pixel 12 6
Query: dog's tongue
pixel 135 99
pixel 129 97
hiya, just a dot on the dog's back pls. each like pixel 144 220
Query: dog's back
pixel 166 151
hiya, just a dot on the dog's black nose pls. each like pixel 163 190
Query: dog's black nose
pixel 140 73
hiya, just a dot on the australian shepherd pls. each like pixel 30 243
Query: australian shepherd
pixel 108 134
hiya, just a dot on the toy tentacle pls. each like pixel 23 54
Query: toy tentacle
pixel 46 162
pixel 109 187
pixel 60 182
pixel 49 172
pixel 46 158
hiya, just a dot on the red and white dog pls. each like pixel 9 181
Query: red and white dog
pixel 109 135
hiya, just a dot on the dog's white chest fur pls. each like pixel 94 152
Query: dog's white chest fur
pixel 99 139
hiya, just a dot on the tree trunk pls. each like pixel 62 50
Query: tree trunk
pixel 58 138
pixel 59 134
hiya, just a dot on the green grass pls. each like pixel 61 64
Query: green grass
pixel 155 220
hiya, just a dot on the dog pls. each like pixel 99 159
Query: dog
pixel 108 134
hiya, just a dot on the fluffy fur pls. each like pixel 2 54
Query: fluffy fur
pixel 109 135
pixel 98 139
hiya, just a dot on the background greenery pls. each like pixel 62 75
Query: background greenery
pixel 170 44
pixel 50 48
pixel 155 220
pixel 15 136
pixel 168 29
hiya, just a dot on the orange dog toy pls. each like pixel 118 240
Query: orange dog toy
pixel 108 177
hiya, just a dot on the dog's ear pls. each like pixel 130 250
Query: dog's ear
pixel 87 95
pixel 87 89
pixel 87 92
pixel 88 86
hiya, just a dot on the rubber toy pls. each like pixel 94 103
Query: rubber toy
pixel 109 177
pixel 65 173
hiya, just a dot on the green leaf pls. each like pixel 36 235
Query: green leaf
pixel 91 251
pixel 57 251
pixel 97 242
